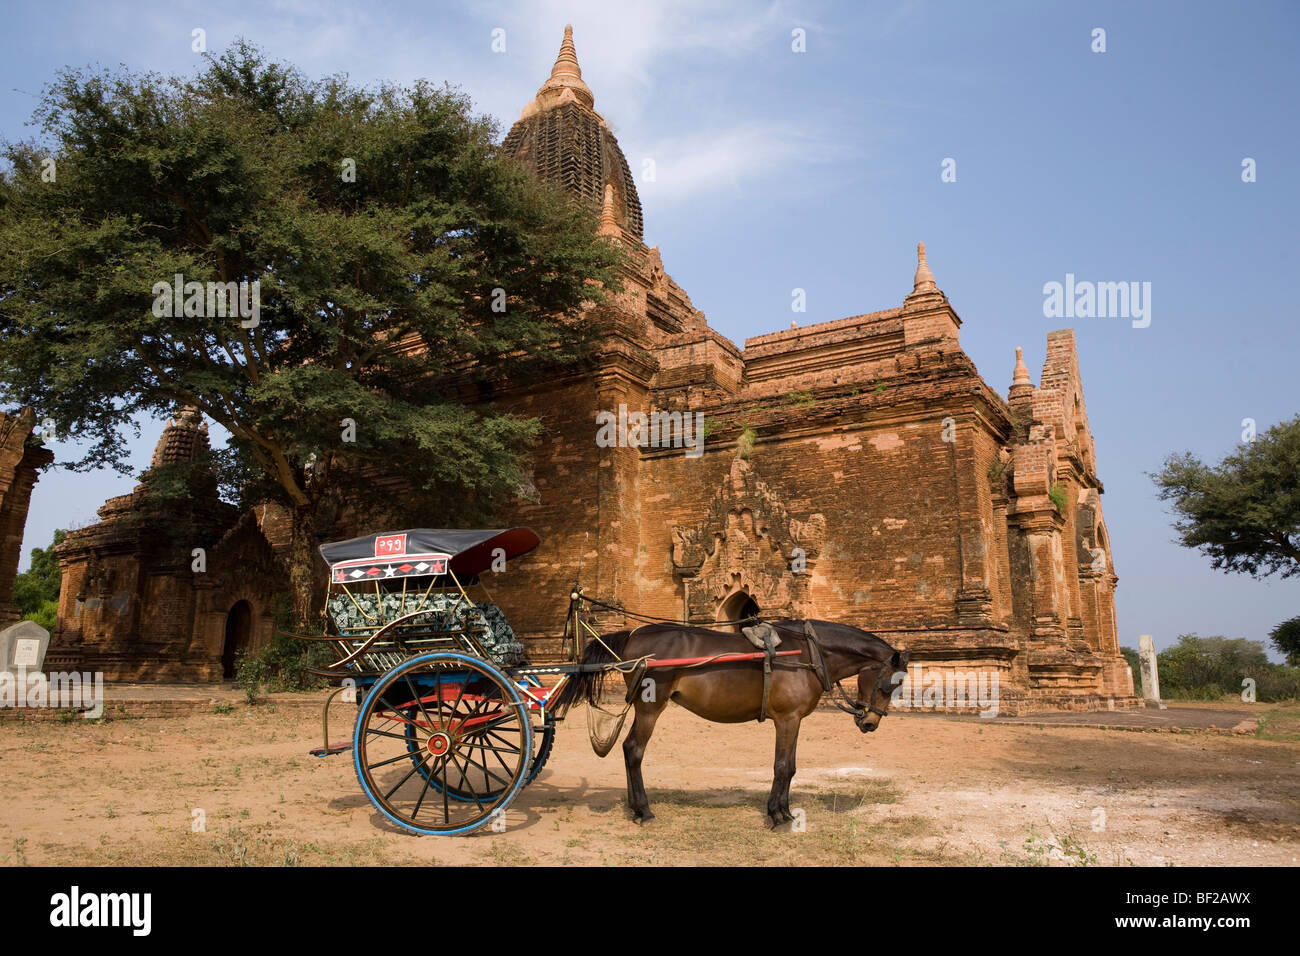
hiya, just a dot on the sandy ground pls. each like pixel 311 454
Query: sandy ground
pixel 923 789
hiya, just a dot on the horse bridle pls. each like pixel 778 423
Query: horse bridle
pixel 849 706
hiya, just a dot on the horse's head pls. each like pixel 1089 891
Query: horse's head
pixel 876 683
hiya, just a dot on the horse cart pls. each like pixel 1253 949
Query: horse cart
pixel 452 719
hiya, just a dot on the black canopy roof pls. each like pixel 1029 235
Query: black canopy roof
pixel 470 551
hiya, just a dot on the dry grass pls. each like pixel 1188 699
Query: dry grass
pixel 1281 723
pixel 921 791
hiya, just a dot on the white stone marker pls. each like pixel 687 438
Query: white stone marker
pixel 1150 675
pixel 23 645
pixel 22 654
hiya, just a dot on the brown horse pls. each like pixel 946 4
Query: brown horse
pixel 732 693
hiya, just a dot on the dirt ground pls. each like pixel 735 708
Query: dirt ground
pixel 924 789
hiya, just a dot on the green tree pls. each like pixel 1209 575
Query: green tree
pixel 1210 662
pixel 36 590
pixel 1134 661
pixel 1244 513
pixel 1207 668
pixel 405 270
pixel 1286 639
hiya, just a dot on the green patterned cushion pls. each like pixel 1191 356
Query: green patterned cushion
pixel 492 629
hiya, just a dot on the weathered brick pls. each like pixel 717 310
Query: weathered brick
pixel 921 501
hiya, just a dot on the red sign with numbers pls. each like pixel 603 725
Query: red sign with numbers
pixel 390 545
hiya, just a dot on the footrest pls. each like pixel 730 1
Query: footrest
pixel 331 750
pixel 541 700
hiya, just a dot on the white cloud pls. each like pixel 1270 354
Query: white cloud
pixel 624 48
pixel 696 163
pixel 629 53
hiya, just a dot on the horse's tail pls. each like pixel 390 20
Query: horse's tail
pixel 586 685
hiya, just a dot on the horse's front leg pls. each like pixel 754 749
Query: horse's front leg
pixel 778 801
pixel 643 725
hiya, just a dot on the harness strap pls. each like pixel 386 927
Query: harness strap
pixel 769 653
pixel 815 652
pixel 850 706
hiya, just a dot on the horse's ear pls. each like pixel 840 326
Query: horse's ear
pixel 901 659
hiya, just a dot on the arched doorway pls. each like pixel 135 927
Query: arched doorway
pixel 736 607
pixel 239 633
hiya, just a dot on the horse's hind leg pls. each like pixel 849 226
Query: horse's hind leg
pixel 787 736
pixel 643 725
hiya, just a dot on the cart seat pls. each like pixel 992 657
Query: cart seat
pixel 359 615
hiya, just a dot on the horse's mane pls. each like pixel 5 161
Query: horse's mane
pixel 836 630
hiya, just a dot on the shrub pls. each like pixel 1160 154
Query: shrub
pixel 36 590
pixel 1286 639
pixel 1207 668
pixel 46 615
pixel 745 443
pixel 282 665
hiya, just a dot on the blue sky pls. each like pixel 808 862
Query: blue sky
pixel 820 170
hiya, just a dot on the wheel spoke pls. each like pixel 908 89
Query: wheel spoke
pixel 419 703
pixel 464 777
pixel 424 791
pixel 387 733
pixel 480 728
pixel 391 760
pixel 499 750
pixel 409 773
pixel 411 711
pixel 446 785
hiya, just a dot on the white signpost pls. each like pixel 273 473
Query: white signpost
pixel 1150 673
pixel 23 645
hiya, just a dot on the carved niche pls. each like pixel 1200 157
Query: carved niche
pixel 748 542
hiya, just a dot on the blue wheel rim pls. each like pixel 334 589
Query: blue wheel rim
pixel 513 702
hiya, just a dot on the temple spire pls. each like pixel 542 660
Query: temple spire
pixel 924 279
pixel 565 81
pixel 608 224
pixel 566 64
pixel 184 439
pixel 1021 374
pixel 1021 394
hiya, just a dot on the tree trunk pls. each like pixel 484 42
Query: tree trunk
pixel 303 571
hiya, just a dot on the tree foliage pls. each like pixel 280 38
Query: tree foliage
pixel 1134 661
pixel 1207 668
pixel 36 590
pixel 1286 639
pixel 1244 513
pixel 394 298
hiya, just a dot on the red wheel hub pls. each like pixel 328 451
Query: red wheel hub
pixel 439 743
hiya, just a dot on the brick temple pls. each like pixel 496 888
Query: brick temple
pixel 859 470
pixel 21 459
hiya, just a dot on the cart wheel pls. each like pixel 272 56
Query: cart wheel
pixel 436 726
pixel 543 741
pixel 544 738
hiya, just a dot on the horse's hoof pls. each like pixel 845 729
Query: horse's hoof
pixel 642 818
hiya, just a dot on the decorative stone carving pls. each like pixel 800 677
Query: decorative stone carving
pixel 748 542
